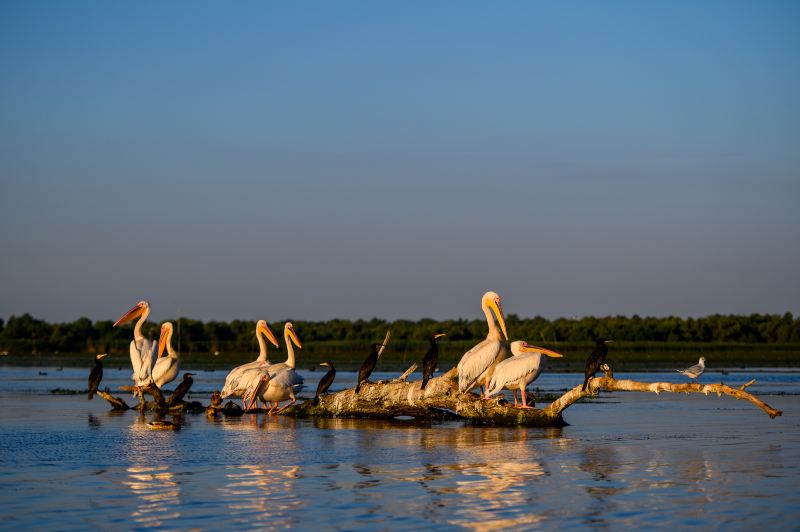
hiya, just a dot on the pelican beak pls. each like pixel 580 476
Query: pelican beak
pixel 439 335
pixel 162 342
pixel 497 308
pixel 132 314
pixel 268 334
pixel 528 348
pixel 295 339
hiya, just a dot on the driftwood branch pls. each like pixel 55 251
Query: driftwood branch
pixel 116 402
pixel 441 399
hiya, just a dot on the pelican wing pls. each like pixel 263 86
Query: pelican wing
pixel 148 352
pixel 235 379
pixel 286 377
pixel 165 370
pixel 476 361
pixel 514 369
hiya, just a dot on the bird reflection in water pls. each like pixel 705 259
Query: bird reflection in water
pixel 603 464
pixel 259 495
pixel 158 492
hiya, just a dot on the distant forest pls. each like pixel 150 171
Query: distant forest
pixel 25 334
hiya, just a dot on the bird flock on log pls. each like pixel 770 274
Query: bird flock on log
pixel 485 366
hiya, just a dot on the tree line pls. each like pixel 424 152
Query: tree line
pixel 26 334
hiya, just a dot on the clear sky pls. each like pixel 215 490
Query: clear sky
pixel 314 160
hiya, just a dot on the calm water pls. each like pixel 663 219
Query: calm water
pixel 626 460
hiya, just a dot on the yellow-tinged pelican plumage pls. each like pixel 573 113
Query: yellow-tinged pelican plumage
pixel 517 372
pixel 234 384
pixel 143 351
pixel 477 364
pixel 166 367
pixel 284 382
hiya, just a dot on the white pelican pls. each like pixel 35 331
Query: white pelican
pixel 477 364
pixel 517 372
pixel 695 371
pixel 233 382
pixel 284 382
pixel 166 367
pixel 143 351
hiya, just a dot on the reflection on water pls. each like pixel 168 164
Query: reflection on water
pixel 158 493
pixel 66 463
pixel 258 495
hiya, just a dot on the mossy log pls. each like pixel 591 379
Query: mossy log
pixel 441 399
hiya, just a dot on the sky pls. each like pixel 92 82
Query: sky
pixel 317 160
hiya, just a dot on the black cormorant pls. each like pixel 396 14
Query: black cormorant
pixel 182 388
pixel 431 360
pixel 96 375
pixel 596 360
pixel 369 365
pixel 326 380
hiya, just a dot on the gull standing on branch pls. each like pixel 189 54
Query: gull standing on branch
pixel 519 371
pixel 477 364
pixel 695 371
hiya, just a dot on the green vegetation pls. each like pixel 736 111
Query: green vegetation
pixel 767 340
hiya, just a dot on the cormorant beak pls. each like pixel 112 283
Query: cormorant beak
pixel 497 308
pixel 528 348
pixel 609 341
pixel 324 364
pixel 268 334
pixel 133 313
pixel 101 356
pixel 439 335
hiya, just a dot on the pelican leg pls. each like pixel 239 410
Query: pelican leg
pixel 524 405
pixel 290 403
pixel 514 393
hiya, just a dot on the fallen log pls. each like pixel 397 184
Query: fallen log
pixel 441 399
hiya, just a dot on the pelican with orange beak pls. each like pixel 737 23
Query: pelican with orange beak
pixel 143 351
pixel 234 385
pixel 284 382
pixel 477 364
pixel 517 372
pixel 166 367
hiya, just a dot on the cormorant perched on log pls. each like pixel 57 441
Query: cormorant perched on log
pixel 182 389
pixel 96 375
pixel 431 360
pixel 326 380
pixel 369 364
pixel 596 359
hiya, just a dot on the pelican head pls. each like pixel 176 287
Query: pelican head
pixel 493 301
pixel 288 331
pixel 521 346
pixel 100 356
pixel 166 334
pixel 261 328
pixel 140 308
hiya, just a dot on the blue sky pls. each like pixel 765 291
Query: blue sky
pixel 356 159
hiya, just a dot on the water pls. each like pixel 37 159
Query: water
pixel 632 459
